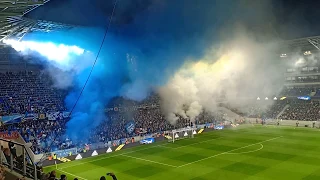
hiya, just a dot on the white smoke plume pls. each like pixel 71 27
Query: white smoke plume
pixel 240 69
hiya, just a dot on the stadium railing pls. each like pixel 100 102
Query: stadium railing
pixel 16 157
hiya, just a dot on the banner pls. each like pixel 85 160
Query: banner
pixel 65 153
pixel 123 140
pixel 283 98
pixel 9 135
pixel 147 141
pixel 210 125
pixel 218 127
pixel 116 142
pixel 42 116
pixel 11 119
pixel 55 116
pixel 130 127
pixel 306 98
pixel 30 116
pixel 65 114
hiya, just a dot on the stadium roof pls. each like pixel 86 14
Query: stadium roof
pixel 302 44
pixel 14 24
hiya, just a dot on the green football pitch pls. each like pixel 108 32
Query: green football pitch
pixel 246 152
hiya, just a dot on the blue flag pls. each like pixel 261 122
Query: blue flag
pixel 130 127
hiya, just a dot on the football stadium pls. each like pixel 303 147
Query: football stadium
pixel 159 89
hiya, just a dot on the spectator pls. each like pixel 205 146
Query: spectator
pixel 63 177
pixel 52 175
pixel 112 175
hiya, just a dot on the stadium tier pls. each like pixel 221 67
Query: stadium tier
pixel 34 109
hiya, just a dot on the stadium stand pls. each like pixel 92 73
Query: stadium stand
pixel 297 91
pixel 306 111
pixel 275 109
pixel 28 92
pixel 32 93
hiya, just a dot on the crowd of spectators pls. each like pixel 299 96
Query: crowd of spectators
pixel 53 176
pixel 31 92
pixel 146 120
pixel 296 110
pixel 44 135
pixel 302 110
pixel 275 109
pixel 49 135
pixel 252 110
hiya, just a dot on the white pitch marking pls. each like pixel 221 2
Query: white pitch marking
pixel 164 146
pixel 147 160
pixel 228 152
pixel 197 143
pixel 107 157
pixel 249 151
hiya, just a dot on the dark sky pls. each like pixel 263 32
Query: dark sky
pixel 302 16
pixel 285 19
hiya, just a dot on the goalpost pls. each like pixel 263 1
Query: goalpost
pixel 182 133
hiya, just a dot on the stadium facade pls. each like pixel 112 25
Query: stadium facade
pixel 15 25
pixel 303 60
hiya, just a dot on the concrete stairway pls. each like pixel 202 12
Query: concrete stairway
pixel 281 112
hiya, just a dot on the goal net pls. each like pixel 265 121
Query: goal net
pixel 178 134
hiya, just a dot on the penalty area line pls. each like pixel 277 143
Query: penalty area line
pixel 229 151
pixel 246 152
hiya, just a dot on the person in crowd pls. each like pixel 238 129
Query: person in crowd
pixel 13 150
pixel 112 175
pixel 52 175
pixel 63 177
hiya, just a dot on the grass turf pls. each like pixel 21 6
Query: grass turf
pixel 245 152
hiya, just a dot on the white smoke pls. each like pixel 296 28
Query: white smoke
pixel 62 62
pixel 59 53
pixel 194 110
pixel 241 68
pixel 61 79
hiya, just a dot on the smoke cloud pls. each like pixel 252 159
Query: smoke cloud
pixel 239 69
pixel 189 52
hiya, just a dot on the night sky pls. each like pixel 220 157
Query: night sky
pixel 286 19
